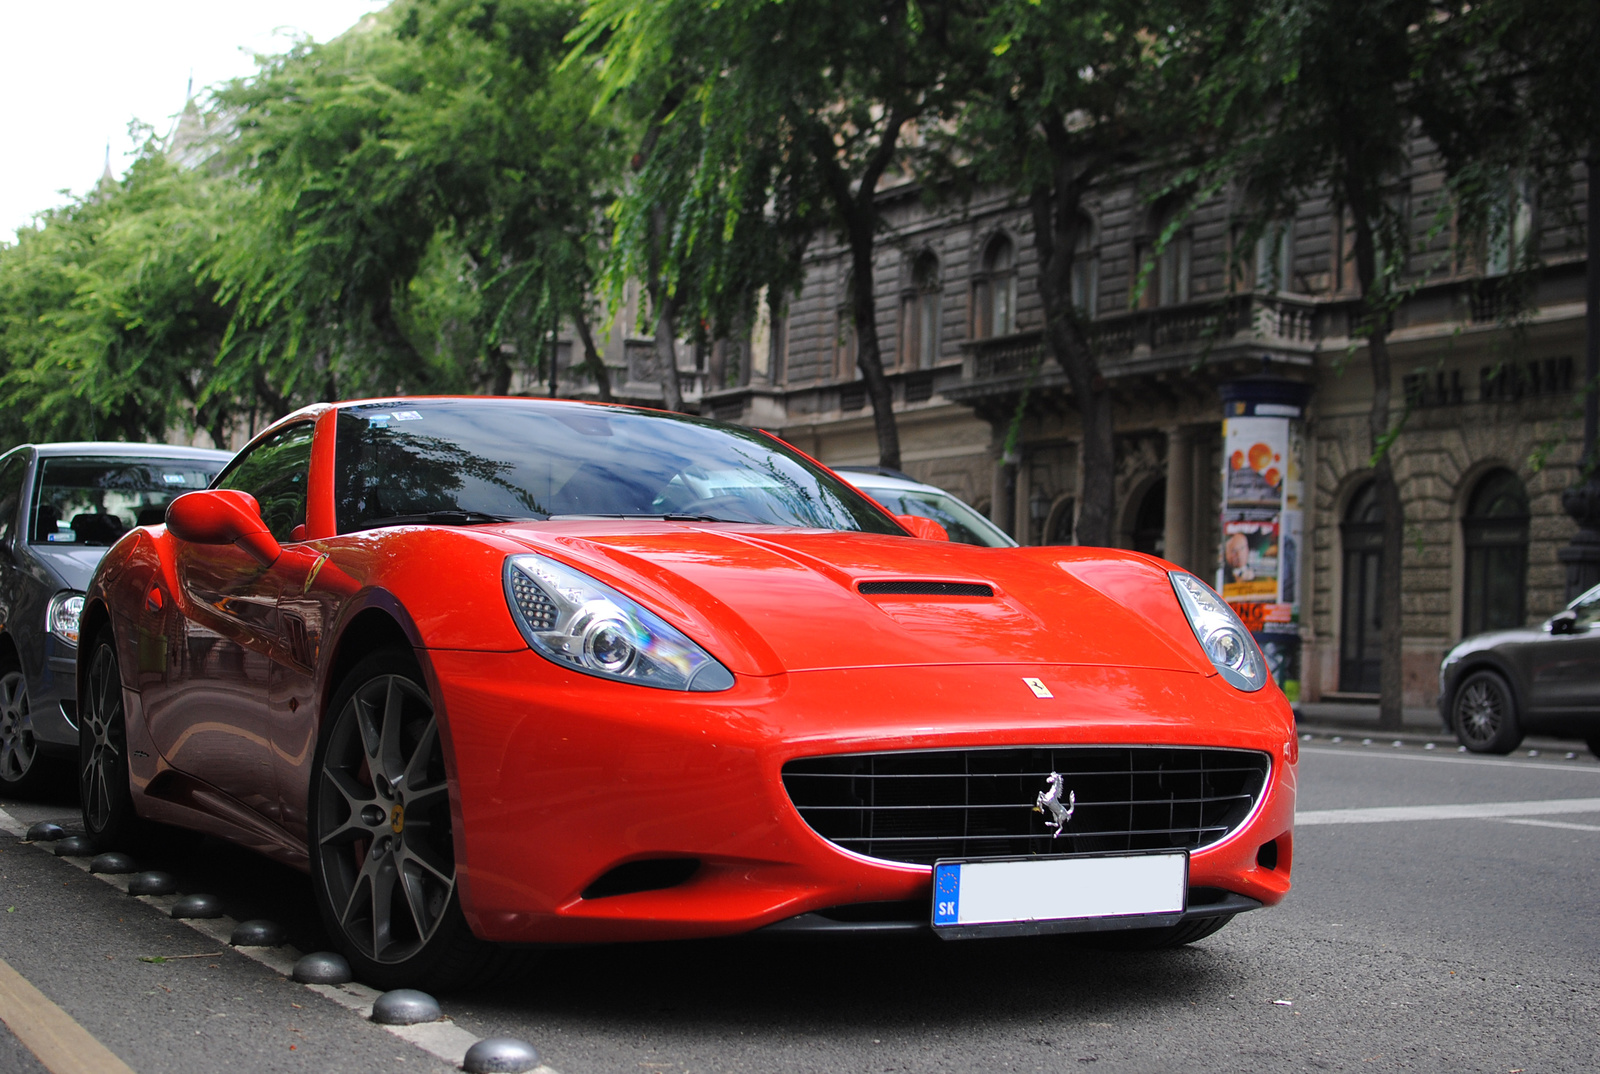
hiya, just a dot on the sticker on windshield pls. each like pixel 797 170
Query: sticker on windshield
pixel 407 415
pixel 175 479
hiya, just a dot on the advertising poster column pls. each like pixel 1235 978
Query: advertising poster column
pixel 1263 512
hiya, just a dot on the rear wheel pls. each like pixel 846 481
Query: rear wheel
pixel 382 853
pixel 22 771
pixel 109 818
pixel 1484 714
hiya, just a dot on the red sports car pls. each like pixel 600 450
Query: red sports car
pixel 528 671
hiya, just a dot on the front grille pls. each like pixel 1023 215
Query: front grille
pixel 922 806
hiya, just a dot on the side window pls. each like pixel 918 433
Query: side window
pixel 11 472
pixel 275 472
pixel 1588 608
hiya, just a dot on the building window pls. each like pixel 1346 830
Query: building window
pixel 1058 524
pixel 1494 534
pixel 1360 620
pixel 1147 530
pixel 994 292
pixel 1275 257
pixel 1169 268
pixel 844 346
pixel 1510 239
pixel 1085 271
pixel 919 315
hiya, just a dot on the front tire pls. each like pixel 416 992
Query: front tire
pixel 1484 714
pixel 109 817
pixel 22 770
pixel 382 852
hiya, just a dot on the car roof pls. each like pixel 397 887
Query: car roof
pixel 118 448
pixel 883 481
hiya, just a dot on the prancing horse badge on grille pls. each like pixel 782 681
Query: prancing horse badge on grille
pixel 1050 798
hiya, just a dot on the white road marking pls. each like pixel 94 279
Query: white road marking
pixel 1493 810
pixel 1568 825
pixel 1435 758
pixel 12 824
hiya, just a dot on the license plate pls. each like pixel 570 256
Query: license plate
pixel 1081 888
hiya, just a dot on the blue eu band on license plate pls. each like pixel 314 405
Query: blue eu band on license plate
pixel 1058 889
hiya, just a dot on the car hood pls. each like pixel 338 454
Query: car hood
pixel 765 600
pixel 1493 639
pixel 73 565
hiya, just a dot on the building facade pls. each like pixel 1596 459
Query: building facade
pixel 1487 392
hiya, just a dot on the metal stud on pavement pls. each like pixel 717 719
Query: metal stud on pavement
pixel 259 933
pixel 152 883
pixel 500 1055
pixel 322 967
pixel 405 1007
pixel 197 906
pixel 45 831
pixel 73 846
pixel 113 863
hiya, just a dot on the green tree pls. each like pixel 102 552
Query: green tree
pixel 1073 92
pixel 766 119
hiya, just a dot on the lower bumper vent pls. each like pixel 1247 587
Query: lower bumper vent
pixel 919 807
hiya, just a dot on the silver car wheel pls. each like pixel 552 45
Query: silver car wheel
pixel 383 820
pixel 101 726
pixel 17 746
pixel 1481 710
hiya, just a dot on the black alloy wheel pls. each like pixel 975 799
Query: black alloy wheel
pixel 109 818
pixel 21 769
pixel 382 853
pixel 1484 714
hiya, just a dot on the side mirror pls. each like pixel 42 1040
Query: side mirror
pixel 925 528
pixel 1564 622
pixel 223 516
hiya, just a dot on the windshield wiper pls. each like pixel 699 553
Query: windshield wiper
pixel 653 518
pixel 445 518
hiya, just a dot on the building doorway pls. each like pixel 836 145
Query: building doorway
pixel 1360 620
pixel 1494 535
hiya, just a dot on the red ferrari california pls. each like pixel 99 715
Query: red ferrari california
pixel 532 671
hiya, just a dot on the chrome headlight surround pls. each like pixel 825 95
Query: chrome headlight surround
pixel 583 624
pixel 1221 633
pixel 66 608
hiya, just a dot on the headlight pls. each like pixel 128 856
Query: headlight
pixel 66 608
pixel 579 623
pixel 1221 634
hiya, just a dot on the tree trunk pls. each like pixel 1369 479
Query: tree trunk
pixel 1381 438
pixel 592 360
pixel 869 355
pixel 665 310
pixel 1057 218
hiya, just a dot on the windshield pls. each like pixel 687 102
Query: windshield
pixel 479 459
pixel 94 501
pixel 962 523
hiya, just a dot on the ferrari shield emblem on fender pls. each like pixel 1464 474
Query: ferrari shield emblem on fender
pixel 1050 799
pixel 1038 687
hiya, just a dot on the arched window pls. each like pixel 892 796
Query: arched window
pixel 1361 533
pixel 994 292
pixel 1494 534
pixel 1058 524
pixel 1147 531
pixel 919 315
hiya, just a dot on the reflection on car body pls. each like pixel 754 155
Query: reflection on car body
pixel 539 671
pixel 901 495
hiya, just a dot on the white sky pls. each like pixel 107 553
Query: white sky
pixel 72 74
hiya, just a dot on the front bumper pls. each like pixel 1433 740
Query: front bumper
pixel 561 778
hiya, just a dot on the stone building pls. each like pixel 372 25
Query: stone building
pixel 1487 385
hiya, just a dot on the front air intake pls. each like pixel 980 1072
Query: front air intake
pixel 925 589
pixel 922 806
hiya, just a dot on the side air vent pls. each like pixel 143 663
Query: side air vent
pixel 652 874
pixel 926 589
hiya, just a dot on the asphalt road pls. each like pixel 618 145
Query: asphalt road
pixel 1418 937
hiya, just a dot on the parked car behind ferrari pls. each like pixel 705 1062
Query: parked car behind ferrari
pixel 61 507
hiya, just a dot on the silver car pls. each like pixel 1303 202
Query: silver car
pixel 61 507
pixel 904 496
pixel 1495 688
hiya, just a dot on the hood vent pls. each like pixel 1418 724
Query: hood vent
pixel 925 589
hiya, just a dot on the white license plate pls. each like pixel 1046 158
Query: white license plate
pixel 1059 889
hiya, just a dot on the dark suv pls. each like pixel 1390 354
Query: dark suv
pixel 61 507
